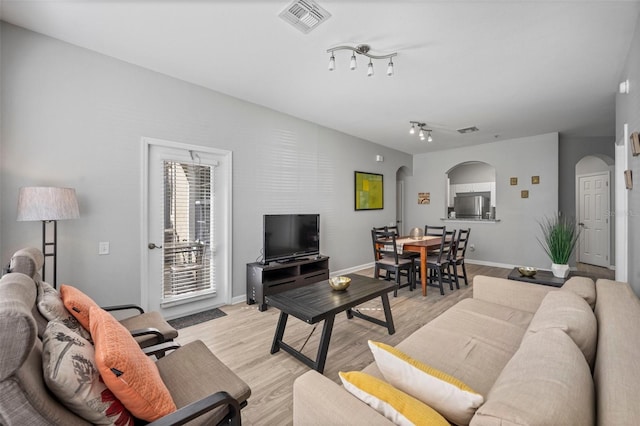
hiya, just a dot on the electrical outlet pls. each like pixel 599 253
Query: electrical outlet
pixel 103 247
pixel 472 247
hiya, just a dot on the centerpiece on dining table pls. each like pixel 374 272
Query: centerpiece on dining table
pixel 416 234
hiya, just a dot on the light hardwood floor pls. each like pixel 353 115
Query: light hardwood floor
pixel 242 340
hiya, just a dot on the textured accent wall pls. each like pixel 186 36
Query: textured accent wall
pixel 72 117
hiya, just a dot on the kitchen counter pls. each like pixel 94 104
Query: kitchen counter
pixel 469 219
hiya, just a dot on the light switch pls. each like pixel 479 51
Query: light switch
pixel 103 247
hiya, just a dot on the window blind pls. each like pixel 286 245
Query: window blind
pixel 188 267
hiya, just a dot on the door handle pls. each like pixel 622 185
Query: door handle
pixel 581 224
pixel 153 246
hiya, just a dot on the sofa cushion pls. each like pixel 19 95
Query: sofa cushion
pixel 583 287
pixel 547 382
pixel 449 396
pixel 617 368
pixel 471 341
pixel 566 311
pixel 77 303
pixel 18 298
pixel 395 405
pixel 69 369
pixel 131 375
pixel 51 307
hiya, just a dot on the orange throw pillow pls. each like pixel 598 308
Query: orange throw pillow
pixel 131 375
pixel 77 303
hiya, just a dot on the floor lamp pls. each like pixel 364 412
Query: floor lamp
pixel 48 204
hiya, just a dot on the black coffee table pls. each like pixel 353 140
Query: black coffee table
pixel 545 277
pixel 317 302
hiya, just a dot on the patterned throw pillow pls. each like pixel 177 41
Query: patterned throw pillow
pixel 127 371
pixel 449 396
pixel 395 405
pixel 71 374
pixel 51 307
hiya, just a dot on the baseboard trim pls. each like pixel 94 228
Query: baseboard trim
pixel 351 270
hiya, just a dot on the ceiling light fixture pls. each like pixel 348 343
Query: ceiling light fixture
pixel 422 129
pixel 332 63
pixel 362 49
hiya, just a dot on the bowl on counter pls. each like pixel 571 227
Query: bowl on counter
pixel 339 283
pixel 527 271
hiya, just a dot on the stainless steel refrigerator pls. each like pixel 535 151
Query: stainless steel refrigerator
pixel 471 205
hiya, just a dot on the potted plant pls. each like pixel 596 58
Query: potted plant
pixel 560 236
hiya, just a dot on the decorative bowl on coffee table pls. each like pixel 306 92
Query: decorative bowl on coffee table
pixel 527 271
pixel 339 283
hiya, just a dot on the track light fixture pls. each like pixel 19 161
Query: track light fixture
pixel 361 49
pixel 421 130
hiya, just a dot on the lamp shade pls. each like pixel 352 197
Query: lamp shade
pixel 47 203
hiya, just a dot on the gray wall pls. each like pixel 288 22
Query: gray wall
pixel 512 239
pixel 572 150
pixel 628 111
pixel 472 173
pixel 72 117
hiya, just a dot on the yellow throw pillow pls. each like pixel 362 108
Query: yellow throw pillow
pixel 131 375
pixel 395 405
pixel 449 396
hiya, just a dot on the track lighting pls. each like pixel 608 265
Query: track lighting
pixel 362 49
pixel 421 130
pixel 332 63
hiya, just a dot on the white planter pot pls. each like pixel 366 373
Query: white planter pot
pixel 560 271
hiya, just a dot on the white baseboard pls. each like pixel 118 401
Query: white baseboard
pixel 239 299
pixel 351 270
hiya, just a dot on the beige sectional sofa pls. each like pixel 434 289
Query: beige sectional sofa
pixel 538 355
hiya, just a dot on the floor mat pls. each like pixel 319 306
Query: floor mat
pixel 194 319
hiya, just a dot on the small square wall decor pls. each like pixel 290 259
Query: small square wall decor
pixel 513 181
pixel 424 197
pixel 524 194
pixel 535 180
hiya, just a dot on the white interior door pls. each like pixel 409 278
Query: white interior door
pixel 186 229
pixel 593 218
pixel 400 206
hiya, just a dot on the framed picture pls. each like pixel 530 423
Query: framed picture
pixel 628 179
pixel 424 197
pixel 535 180
pixel 369 191
pixel 524 194
pixel 635 143
pixel 513 181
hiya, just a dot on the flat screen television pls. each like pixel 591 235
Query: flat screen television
pixel 291 236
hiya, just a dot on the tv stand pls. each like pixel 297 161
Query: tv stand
pixel 264 280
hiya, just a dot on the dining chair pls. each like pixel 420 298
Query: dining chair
pixel 435 231
pixel 438 263
pixel 458 260
pixel 394 229
pixel 385 250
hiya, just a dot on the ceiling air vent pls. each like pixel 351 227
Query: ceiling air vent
pixel 468 130
pixel 305 15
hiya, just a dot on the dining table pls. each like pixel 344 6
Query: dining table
pixel 420 245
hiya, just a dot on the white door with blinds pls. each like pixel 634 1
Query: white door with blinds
pixel 187 246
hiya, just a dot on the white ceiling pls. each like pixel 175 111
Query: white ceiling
pixel 511 68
